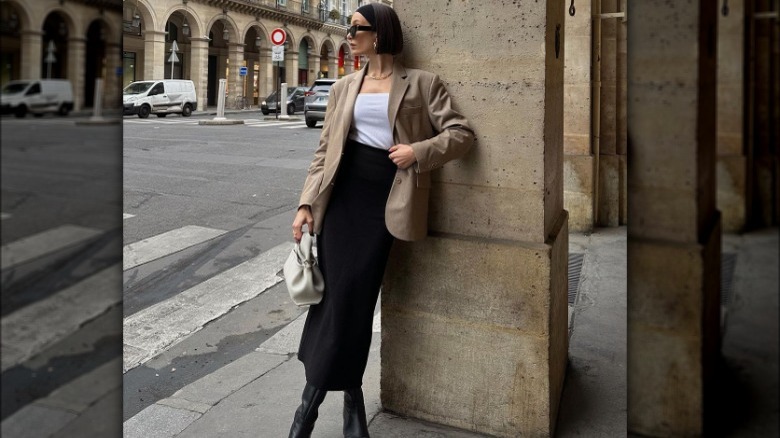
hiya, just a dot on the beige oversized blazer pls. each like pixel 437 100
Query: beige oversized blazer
pixel 421 115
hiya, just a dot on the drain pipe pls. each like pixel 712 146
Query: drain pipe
pixel 595 101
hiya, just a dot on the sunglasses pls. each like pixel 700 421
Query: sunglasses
pixel 352 31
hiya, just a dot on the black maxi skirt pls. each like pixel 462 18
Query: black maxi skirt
pixel 352 248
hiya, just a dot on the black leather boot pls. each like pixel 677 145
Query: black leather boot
pixel 355 425
pixel 307 413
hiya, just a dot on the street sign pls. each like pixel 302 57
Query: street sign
pixel 50 58
pixel 277 53
pixel 174 46
pixel 242 71
pixel 278 36
pixel 173 58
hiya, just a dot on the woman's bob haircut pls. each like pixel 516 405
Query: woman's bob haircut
pixel 389 36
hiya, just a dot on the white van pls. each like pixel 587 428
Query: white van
pixel 37 96
pixel 161 97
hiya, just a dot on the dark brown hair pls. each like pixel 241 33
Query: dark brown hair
pixel 389 36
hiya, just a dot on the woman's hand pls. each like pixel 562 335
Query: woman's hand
pixel 402 155
pixel 302 217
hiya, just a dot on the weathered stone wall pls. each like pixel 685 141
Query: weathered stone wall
pixel 674 237
pixel 578 160
pixel 731 166
pixel 474 318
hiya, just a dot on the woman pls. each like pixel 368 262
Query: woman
pixel 386 127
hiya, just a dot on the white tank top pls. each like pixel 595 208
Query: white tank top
pixel 370 124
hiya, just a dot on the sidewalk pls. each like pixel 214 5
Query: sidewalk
pixel 257 394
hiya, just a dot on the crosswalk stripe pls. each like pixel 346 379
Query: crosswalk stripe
pixel 158 327
pixel 32 328
pixel 268 124
pixel 47 416
pixel 167 243
pixel 4 216
pixel 295 127
pixel 127 216
pixel 47 242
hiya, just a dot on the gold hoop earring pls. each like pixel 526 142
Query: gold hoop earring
pixel 374 46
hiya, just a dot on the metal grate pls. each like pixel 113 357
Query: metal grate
pixel 575 269
pixel 728 261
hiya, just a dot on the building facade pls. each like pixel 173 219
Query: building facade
pixel 215 38
pixel 79 40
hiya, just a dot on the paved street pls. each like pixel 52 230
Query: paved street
pixel 61 307
pixel 207 213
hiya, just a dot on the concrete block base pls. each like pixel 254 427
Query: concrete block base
pixel 474 332
pixel 673 333
pixel 578 191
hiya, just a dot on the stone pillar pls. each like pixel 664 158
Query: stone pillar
pixel 608 172
pixel 112 83
pixel 578 159
pixel 154 55
pixel 674 237
pixel 474 317
pixel 314 67
pixel 291 65
pixel 763 164
pixel 270 70
pixel 731 163
pixel 235 81
pixel 199 68
pixel 32 54
pixel 77 48
pixel 621 115
pixel 250 79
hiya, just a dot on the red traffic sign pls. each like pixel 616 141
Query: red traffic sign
pixel 278 36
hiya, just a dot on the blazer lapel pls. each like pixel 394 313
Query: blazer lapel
pixel 397 90
pixel 352 92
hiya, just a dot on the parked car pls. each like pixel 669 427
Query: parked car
pixel 317 101
pixel 38 97
pixel 294 101
pixel 161 98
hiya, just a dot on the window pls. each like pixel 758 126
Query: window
pixel 158 89
pixel 281 2
pixel 35 89
pixel 305 6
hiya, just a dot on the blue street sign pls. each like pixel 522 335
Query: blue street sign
pixel 242 71
pixel 119 71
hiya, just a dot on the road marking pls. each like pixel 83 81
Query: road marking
pixel 53 413
pixel 268 124
pixel 47 242
pixel 4 216
pixel 153 330
pixel 33 328
pixel 127 216
pixel 295 127
pixel 164 244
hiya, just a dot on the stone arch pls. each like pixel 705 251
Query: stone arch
pixel 113 34
pixel 328 55
pixel 149 19
pixel 259 29
pixel 22 13
pixel 227 21
pixel 193 20
pixel 67 16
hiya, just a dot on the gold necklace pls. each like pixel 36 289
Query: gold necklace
pixel 380 77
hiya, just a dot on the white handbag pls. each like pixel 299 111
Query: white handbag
pixel 302 275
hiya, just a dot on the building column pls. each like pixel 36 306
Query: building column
pixel 112 83
pixel 234 80
pixel 154 55
pixel 608 173
pixel 731 164
pixel 268 80
pixel 77 49
pixel 199 68
pixel 314 67
pixel 674 237
pixel 474 317
pixel 578 162
pixel 292 79
pixel 32 54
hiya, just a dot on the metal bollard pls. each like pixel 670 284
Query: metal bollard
pixel 221 100
pixel 97 106
pixel 283 102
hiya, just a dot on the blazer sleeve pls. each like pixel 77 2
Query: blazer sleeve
pixel 454 135
pixel 317 167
